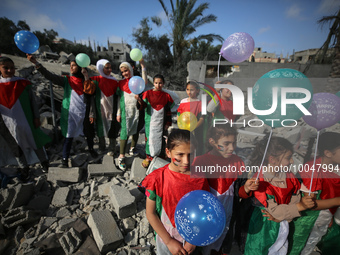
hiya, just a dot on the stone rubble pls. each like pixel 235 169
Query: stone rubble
pixel 93 207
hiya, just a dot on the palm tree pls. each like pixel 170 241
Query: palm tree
pixel 184 19
pixel 333 38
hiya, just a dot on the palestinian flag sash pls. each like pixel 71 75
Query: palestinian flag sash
pixel 73 107
pixel 264 236
pixel 16 111
pixel 190 106
pixel 156 104
pixel 128 110
pixel 105 89
pixel 166 188
pixel 225 110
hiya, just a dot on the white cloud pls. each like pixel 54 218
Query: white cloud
pixel 264 29
pixel 328 6
pixel 294 11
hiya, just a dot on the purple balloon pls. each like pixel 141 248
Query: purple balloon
pixel 325 111
pixel 237 47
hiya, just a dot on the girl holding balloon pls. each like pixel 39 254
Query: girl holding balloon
pixel 320 223
pixel 226 184
pixel 193 104
pixel 157 105
pixel 128 114
pixel 164 187
pixel 277 201
pixel 74 110
pixel 20 120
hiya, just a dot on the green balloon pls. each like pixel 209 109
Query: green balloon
pixel 278 79
pixel 136 54
pixel 83 60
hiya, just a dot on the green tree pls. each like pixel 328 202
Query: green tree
pixel 185 19
pixel 46 37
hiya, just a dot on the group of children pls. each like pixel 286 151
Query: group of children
pixel 277 213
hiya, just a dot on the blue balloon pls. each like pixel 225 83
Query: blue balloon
pixel 26 41
pixel 136 84
pixel 200 218
pixel 276 80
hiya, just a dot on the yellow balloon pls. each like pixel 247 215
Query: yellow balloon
pixel 187 121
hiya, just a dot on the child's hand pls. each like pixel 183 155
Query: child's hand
pixel 176 247
pixel 307 202
pixel 85 73
pixel 118 118
pixel 269 216
pixel 251 185
pixel 189 247
pixel 91 120
pixel 31 58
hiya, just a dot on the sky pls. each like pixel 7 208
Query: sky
pixel 278 26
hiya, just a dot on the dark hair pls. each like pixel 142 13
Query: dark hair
pixel 328 141
pixel 178 136
pixel 277 146
pixel 218 132
pixel 78 73
pixel 193 83
pixel 159 76
pixel 5 59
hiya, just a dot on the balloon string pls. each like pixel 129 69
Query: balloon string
pixel 316 149
pixel 265 152
pixel 218 68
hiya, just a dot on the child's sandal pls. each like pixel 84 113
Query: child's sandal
pixel 145 163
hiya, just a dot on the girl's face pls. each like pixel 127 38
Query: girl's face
pixel 7 69
pixel 107 69
pixel 73 67
pixel 226 93
pixel 285 159
pixel 180 157
pixel 192 91
pixel 125 72
pixel 224 146
pixel 333 156
pixel 158 83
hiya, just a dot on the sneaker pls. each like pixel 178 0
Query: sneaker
pixel 133 152
pixel 122 165
pixel 93 153
pixel 24 174
pixel 64 163
pixel 110 153
pixel 45 165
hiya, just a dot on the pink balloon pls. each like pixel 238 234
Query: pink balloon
pixel 237 47
pixel 325 111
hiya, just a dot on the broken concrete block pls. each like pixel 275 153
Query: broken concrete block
pixel 45 223
pixel 138 172
pixel 80 159
pixel 107 168
pixel 105 230
pixel 6 197
pixel 62 197
pixel 123 201
pixel 156 163
pixel 19 216
pixel 23 194
pixel 71 174
pixel 131 238
pixel 66 223
pixel 70 241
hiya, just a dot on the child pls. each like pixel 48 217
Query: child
pixel 222 141
pixel 106 86
pixel 128 114
pixel 75 112
pixel 278 198
pixel 158 106
pixel 164 187
pixel 226 109
pixel 314 225
pixel 193 104
pixel 20 119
